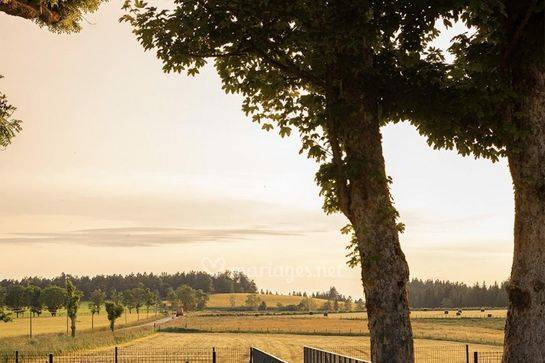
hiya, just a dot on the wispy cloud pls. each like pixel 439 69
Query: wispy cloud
pixel 145 237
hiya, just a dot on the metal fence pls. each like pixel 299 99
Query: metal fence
pixel 259 356
pixel 313 355
pixel 461 353
pixel 487 357
pixel 436 354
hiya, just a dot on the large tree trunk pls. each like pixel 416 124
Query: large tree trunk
pixel 365 199
pixel 384 270
pixel 525 326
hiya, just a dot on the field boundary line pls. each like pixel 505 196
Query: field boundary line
pixel 318 333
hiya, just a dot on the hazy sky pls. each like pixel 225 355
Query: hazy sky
pixel 121 168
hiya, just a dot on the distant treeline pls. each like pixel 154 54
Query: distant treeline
pixel 332 294
pixel 446 294
pixel 226 282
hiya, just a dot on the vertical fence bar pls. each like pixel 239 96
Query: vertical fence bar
pixel 467 353
pixel 475 357
pixel 16 356
pixel 214 355
pixel 50 357
pixel 116 354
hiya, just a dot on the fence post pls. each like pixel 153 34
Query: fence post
pixel 116 353
pixel 16 356
pixel 467 353
pixel 213 354
pixel 476 357
pixel 251 355
pixel 50 357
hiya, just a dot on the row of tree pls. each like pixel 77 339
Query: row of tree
pixel 446 294
pixel 187 298
pixel 160 284
pixel 255 302
pixel 17 299
pixel 331 294
pixel 335 72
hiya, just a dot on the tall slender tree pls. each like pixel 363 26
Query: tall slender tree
pixel 4 316
pixel 72 305
pixel 491 103
pixel 93 310
pixel 97 299
pixel 328 70
pixel 114 310
pixel 139 298
pixel 35 304
pixel 151 300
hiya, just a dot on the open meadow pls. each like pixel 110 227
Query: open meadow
pixel 431 325
pixel 290 347
pixel 438 338
pixel 224 300
pixel 45 323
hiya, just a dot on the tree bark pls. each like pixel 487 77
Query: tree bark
pixel 73 326
pixel 30 10
pixel 384 270
pixel 525 326
pixel 365 199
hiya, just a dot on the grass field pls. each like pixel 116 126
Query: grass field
pixel 224 300
pixel 472 330
pixel 84 340
pixel 290 347
pixel 439 314
pixel 57 324
pixel 439 336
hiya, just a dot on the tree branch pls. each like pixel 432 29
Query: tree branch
pixel 518 32
pixel 343 189
pixel 288 69
pixel 27 10
pixel 279 60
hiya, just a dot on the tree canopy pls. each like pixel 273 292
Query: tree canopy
pixel 465 105
pixel 114 310
pixel 57 15
pixel 330 71
pixel 9 127
pixel 281 56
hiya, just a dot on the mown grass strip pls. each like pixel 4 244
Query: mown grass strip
pixel 324 333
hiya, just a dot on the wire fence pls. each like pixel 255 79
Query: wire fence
pixel 435 354
pixel 487 357
pixel 132 355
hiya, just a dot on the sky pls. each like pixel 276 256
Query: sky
pixel 121 168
